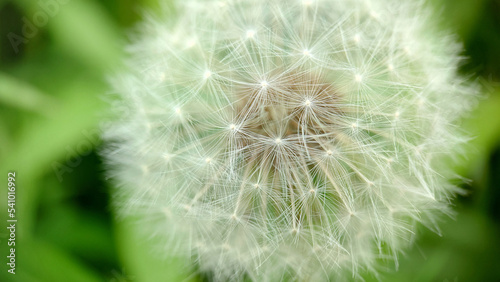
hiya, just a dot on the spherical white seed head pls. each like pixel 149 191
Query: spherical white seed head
pixel 286 161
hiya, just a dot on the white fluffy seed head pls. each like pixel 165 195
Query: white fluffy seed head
pixel 285 164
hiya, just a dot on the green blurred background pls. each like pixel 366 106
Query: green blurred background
pixel 52 86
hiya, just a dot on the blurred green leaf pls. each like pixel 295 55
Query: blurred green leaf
pixel 83 29
pixel 460 15
pixel 135 252
pixel 43 141
pixel 5 140
pixel 461 254
pixel 484 126
pixel 78 232
pixel 20 94
pixel 39 261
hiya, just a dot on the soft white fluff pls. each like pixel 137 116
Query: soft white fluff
pixel 288 139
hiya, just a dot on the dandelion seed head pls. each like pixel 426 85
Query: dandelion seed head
pixel 265 161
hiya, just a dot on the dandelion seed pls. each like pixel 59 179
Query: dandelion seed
pixel 207 74
pixel 420 102
pixel 357 38
pixel 167 156
pixel 374 15
pixel 307 2
pixel 167 212
pixel 250 33
pixel 161 76
pixel 190 43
